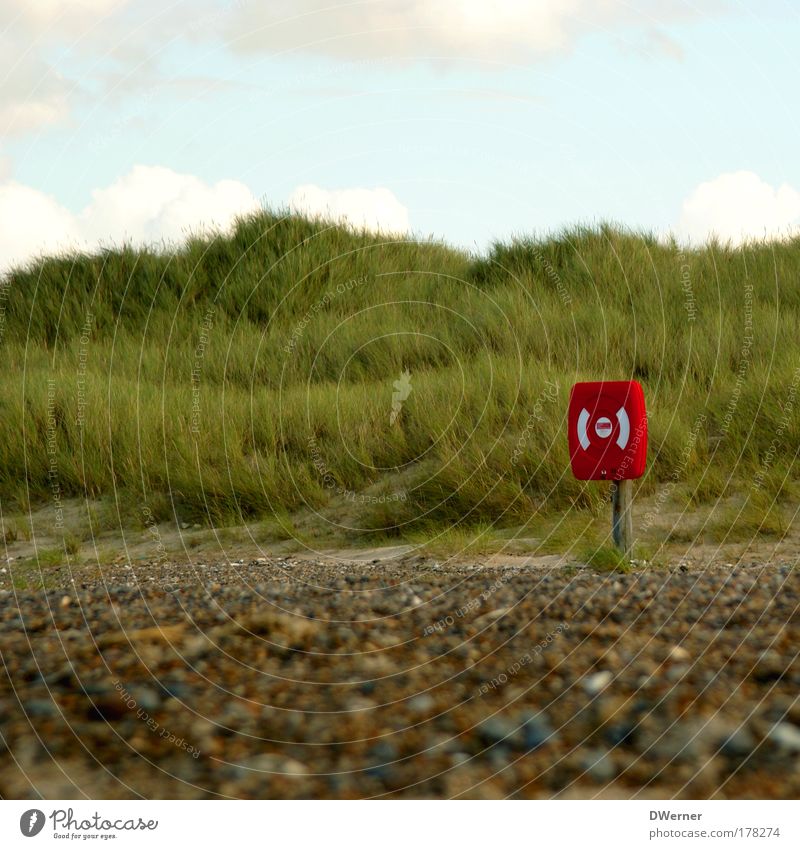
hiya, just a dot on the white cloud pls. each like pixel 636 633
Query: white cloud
pixel 376 209
pixel 32 94
pixel 737 207
pixel 36 89
pixel 33 223
pixel 147 205
pixel 152 203
pixel 504 30
pixel 41 14
pixel 22 116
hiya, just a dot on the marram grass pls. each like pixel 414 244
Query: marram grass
pixel 256 375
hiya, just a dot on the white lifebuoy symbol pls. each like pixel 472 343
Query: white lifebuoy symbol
pixel 624 427
pixel 603 428
pixel 583 420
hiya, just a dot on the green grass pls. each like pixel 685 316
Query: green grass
pixel 465 541
pixel 33 572
pixel 250 377
pixel 606 559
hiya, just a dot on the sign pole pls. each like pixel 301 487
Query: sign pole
pixel 607 438
pixel 622 515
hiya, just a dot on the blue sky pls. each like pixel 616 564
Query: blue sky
pixel 476 120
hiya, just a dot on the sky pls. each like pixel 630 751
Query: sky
pixel 142 121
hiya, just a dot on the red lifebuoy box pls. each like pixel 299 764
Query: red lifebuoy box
pixel 607 430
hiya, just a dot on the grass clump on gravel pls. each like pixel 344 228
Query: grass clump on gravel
pixel 605 558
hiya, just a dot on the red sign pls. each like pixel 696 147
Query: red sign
pixel 607 430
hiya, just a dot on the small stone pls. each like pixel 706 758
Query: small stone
pixel 738 744
pixel 269 763
pixel 66 601
pixel 40 708
pixel 146 698
pixel 491 616
pixel 621 733
pixel 679 654
pixel 109 706
pixel 499 757
pixel 677 672
pixel 383 752
pixel 381 758
pixel 140 743
pixel 597 682
pixel 785 736
pixel 599 764
pixel 177 690
pixel 496 730
pixel 769 667
pixel 61 677
pixel 422 703
pixel 536 731
pixel 195 647
pixel 675 745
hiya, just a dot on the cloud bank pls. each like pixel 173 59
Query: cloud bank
pixel 505 30
pixel 375 209
pixel 33 94
pixel 737 207
pixel 148 205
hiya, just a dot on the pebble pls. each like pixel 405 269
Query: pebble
pixel 597 682
pixel 679 654
pixel 37 708
pixel 536 731
pixel 621 733
pixel 739 743
pixel 770 666
pixel 491 617
pixel 381 758
pixel 785 737
pixel 145 697
pixel 599 764
pixel 269 763
pixel 423 703
pixel 496 730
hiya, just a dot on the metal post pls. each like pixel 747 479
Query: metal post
pixel 622 515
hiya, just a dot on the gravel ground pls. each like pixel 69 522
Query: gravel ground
pixel 403 678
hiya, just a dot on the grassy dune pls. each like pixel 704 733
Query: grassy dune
pixel 253 376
